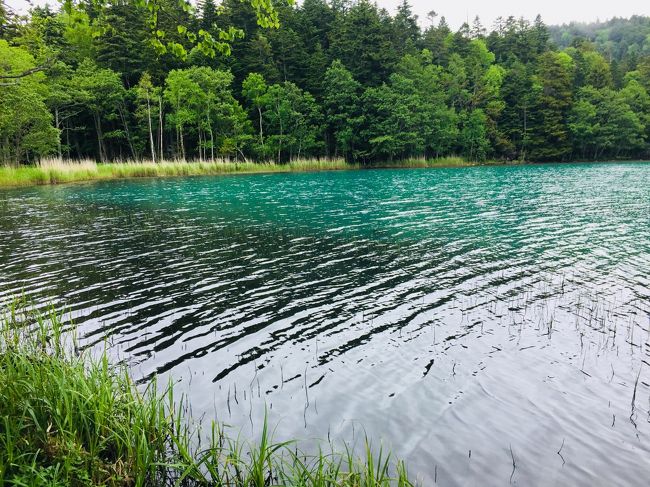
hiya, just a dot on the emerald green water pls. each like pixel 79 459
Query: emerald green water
pixel 454 314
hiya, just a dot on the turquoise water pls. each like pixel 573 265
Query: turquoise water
pixel 454 314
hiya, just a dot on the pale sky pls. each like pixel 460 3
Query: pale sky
pixel 552 11
pixel 457 11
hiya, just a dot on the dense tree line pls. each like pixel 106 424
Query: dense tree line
pixel 336 79
pixel 624 40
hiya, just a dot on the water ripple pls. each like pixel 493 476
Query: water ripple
pixel 457 313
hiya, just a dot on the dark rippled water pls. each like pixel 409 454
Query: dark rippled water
pixel 463 316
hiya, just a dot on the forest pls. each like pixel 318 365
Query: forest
pixel 324 79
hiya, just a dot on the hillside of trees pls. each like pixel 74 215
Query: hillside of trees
pixel 617 39
pixel 336 79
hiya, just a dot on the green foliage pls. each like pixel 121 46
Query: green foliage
pixel 617 38
pixel 341 102
pixel 551 103
pixel 292 122
pixel 603 123
pixel 26 130
pixel 148 101
pixel 514 120
pixel 71 418
pixel 101 92
pixel 408 117
pixel 153 79
pixel 160 24
pixel 473 135
pixel 253 90
pixel 361 39
pixel 202 104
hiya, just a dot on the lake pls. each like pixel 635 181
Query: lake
pixel 489 325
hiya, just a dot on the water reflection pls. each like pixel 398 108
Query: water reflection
pixel 469 316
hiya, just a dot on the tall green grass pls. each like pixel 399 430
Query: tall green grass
pixel 56 171
pixel 71 418
pixel 448 161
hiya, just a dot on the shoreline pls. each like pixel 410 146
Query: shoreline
pixel 63 172
pixel 75 418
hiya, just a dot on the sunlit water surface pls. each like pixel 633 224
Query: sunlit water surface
pixel 465 317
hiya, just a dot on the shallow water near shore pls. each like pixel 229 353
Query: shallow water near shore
pixel 490 325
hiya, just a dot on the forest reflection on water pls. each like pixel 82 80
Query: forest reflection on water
pixel 466 317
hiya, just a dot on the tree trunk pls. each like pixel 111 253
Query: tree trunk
pixel 58 137
pixel 259 110
pixel 525 135
pixel 153 148
pixel 67 139
pixel 281 132
pixel 160 128
pixel 242 154
pixel 211 139
pixel 126 131
pixel 199 144
pixel 100 138
pixel 180 133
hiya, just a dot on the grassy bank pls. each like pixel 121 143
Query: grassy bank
pixel 55 171
pixel 449 161
pixel 69 418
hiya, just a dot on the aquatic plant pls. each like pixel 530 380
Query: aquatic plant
pixel 55 171
pixel 71 417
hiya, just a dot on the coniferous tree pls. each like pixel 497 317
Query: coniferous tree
pixel 552 96
pixel 337 78
pixel 341 105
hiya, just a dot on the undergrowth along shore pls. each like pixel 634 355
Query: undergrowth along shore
pixel 71 418
pixel 53 171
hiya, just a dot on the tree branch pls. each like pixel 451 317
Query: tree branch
pixel 26 72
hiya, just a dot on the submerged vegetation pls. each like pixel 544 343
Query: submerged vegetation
pixel 68 417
